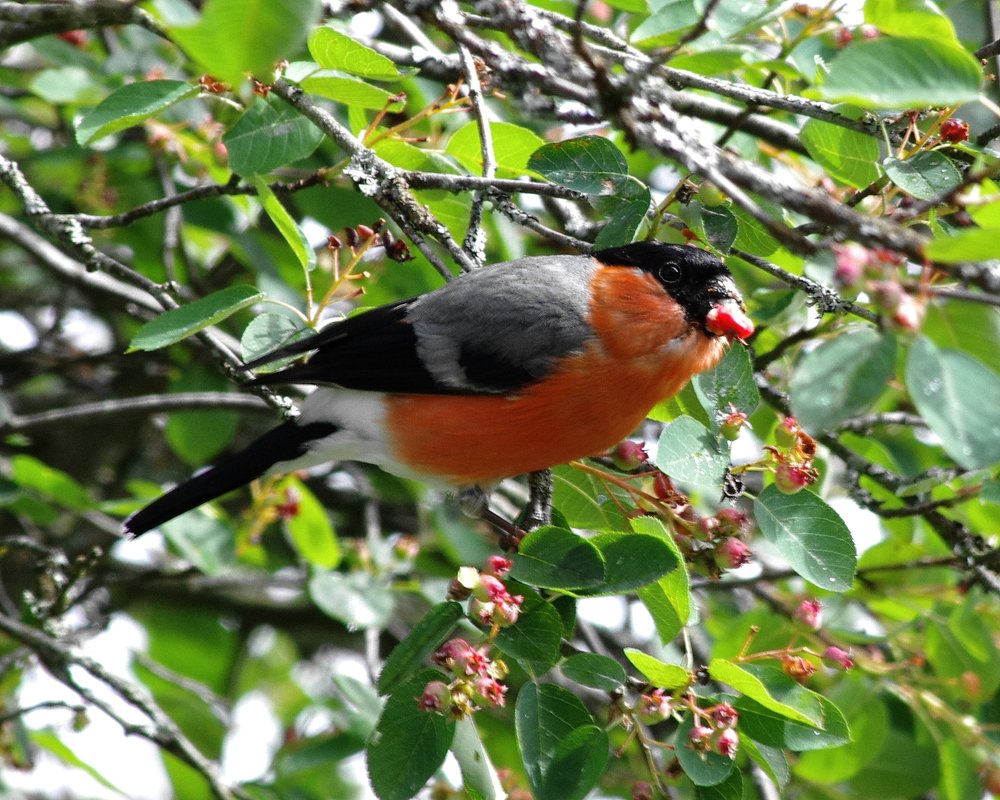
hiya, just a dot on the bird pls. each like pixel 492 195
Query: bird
pixel 508 369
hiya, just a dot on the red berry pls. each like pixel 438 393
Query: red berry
pixel 843 37
pixel 725 715
pixel 728 319
pixel 77 38
pixel 954 130
pixel 733 522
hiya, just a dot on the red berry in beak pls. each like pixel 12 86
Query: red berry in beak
pixel 729 319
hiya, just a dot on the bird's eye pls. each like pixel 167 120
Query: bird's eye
pixel 669 273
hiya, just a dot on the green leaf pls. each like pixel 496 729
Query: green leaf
pixel 721 227
pixel 426 636
pixel 729 789
pixel 842 377
pixel 234 37
pixel 971 244
pixel 921 18
pixel 352 92
pixel 269 135
pixel 810 536
pixel 770 687
pixel 669 599
pixel 535 636
pixel 585 501
pixel 512 147
pixel 556 558
pixel 287 227
pixel 577 764
pixel 357 599
pixel 545 715
pixel 202 541
pixel 179 323
pixel 658 673
pixel 592 669
pixel 51 483
pixel 948 389
pixel 266 333
pixel 48 741
pixel 129 106
pixel 332 49
pixel 67 86
pixel 731 382
pixel 479 778
pixel 900 72
pixel 754 237
pixel 840 762
pixel 848 156
pixel 409 745
pixel 667 18
pixel 925 176
pixel 632 560
pixel 199 435
pixel 626 210
pixel 588 164
pixel 959 779
pixel 703 768
pixel 906 765
pixel 691 455
pixel 310 531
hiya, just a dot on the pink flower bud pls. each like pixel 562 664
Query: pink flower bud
pixel 840 657
pixel 436 697
pixel 728 743
pixel 498 566
pixel 810 612
pixel 628 455
pixel 725 715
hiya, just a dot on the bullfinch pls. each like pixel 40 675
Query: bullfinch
pixel 505 370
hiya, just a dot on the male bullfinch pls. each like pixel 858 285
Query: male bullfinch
pixel 508 369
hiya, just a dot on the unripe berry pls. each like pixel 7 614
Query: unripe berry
pixel 732 424
pixel 733 522
pixel 731 554
pixel 628 455
pixel 435 697
pixel 787 432
pixel 792 478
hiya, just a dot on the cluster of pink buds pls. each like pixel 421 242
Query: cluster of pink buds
pixel 878 268
pixel 492 603
pixel 793 457
pixel 476 682
pixel 716 732
pixel 655 706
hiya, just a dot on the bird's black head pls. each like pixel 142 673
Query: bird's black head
pixel 697 280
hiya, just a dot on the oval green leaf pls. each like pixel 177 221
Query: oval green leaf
pixel 129 106
pixel 925 176
pixel 577 764
pixel 971 244
pixel 842 377
pixel 731 382
pixel 690 454
pixel 179 323
pixel 899 73
pixel 556 558
pixel 631 561
pixel 408 745
pixel 352 92
pixel 310 531
pixel 269 135
pixel 954 394
pixel 847 156
pixel 588 164
pixel 426 636
pixel 334 50
pixel 593 669
pixel 810 536
pixel 769 686
pixel 512 147
pixel 658 673
pixel 535 636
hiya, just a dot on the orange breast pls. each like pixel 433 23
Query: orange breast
pixel 643 351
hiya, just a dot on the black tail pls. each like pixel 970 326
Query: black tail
pixel 285 443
